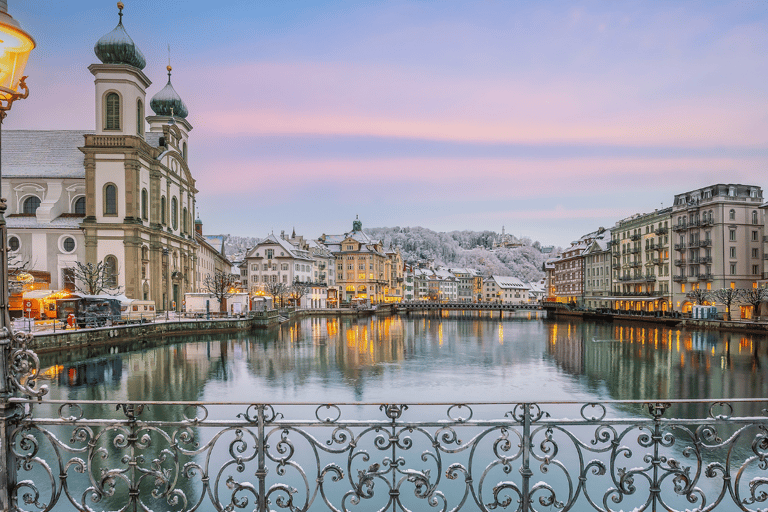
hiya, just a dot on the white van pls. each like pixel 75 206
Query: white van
pixel 137 311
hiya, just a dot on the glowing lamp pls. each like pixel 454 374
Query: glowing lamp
pixel 15 47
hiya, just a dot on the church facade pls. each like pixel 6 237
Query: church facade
pixel 122 193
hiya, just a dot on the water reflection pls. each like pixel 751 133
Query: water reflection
pixel 424 358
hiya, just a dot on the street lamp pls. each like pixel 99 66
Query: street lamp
pixel 15 47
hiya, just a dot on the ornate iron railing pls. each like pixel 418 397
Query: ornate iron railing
pixel 186 456
pixel 342 457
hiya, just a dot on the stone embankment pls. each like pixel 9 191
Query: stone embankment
pixel 747 326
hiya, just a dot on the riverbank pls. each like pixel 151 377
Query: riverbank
pixel 746 326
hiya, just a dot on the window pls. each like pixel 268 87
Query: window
pixel 732 214
pixel 270 253
pixel 162 210
pixel 732 236
pixel 110 199
pixel 175 213
pixel 754 236
pixel 139 118
pixel 13 243
pixel 112 111
pixel 79 208
pixel 184 151
pixel 755 269
pixel 68 244
pixel 30 204
pixel 184 221
pixel 733 269
pixel 110 272
pixel 754 217
pixel 144 202
pixel 732 252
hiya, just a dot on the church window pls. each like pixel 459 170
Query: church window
pixel 184 151
pixel 30 204
pixel 110 199
pixel 174 213
pixel 144 203
pixel 68 244
pixel 139 118
pixel 80 206
pixel 112 107
pixel 110 272
pixel 162 210
pixel 13 243
pixel 184 221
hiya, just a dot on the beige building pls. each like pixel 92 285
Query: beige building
pixel 597 272
pixel 567 277
pixel 641 262
pixel 718 240
pixel 363 268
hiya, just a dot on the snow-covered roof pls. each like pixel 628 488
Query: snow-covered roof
pixel 289 248
pixel 510 282
pixel 43 153
pixel 31 222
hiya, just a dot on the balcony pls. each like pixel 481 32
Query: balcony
pixel 661 231
pixel 705 277
pixel 693 261
pixel 679 263
pixel 650 278
pixel 679 279
pixel 679 227
pixel 616 266
pixel 707 223
pixel 705 243
pixel 634 264
pixel 680 247
pixel 633 250
pixel 705 260
pixel 635 237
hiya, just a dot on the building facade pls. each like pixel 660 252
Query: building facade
pixel 718 240
pixel 597 272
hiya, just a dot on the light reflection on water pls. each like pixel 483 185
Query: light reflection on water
pixel 426 359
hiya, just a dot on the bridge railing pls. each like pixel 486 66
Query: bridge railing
pixel 184 456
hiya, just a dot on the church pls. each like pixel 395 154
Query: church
pixel 122 193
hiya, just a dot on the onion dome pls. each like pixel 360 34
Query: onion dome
pixel 117 47
pixel 167 102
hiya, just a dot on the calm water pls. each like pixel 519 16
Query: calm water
pixel 426 359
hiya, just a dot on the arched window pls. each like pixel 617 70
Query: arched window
pixel 30 204
pixel 140 118
pixel 80 206
pixel 110 199
pixel 112 109
pixel 732 214
pixel 174 213
pixel 184 221
pixel 184 151
pixel 144 203
pixel 110 272
pixel 754 217
pixel 162 210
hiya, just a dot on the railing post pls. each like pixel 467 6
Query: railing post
pixel 261 472
pixel 525 469
pixel 7 462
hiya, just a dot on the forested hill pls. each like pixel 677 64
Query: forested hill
pixel 473 249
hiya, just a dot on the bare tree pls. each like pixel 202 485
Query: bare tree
pixel 698 296
pixel 221 285
pixel 277 290
pixel 299 290
pixel 755 297
pixel 727 296
pixel 95 278
pixel 18 266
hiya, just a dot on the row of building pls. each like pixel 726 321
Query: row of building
pixel 710 238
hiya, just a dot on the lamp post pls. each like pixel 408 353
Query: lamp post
pixel 15 47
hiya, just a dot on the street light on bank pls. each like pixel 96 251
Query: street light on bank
pixel 15 47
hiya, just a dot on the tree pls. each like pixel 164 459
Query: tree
pixel 221 285
pixel 755 297
pixel 299 290
pixel 95 278
pixel 727 296
pixel 277 290
pixel 698 296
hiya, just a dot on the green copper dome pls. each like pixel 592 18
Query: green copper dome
pixel 117 47
pixel 167 102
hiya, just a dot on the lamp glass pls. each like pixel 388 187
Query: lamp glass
pixel 15 47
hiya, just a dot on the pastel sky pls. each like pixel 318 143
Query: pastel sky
pixel 550 118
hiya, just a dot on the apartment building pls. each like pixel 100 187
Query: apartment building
pixel 641 270
pixel 597 272
pixel 718 240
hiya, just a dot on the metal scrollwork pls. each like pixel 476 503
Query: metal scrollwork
pixel 183 457
pixel 24 366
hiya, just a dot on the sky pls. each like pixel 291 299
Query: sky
pixel 548 118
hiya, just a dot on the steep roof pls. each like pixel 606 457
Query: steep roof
pixel 510 282
pixel 43 153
